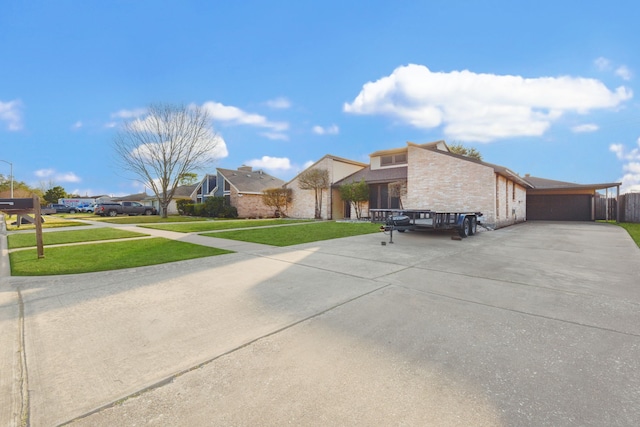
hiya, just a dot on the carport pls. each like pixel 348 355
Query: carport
pixel 551 200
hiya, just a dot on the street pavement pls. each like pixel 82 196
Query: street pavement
pixel 536 324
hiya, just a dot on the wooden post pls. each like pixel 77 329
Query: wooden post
pixel 38 218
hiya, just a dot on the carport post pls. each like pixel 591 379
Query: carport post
pixel 617 203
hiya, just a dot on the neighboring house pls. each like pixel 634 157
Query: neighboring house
pixel 140 197
pixel 333 207
pixel 243 190
pixel 436 179
pixel 206 188
pixel 183 192
pixel 566 201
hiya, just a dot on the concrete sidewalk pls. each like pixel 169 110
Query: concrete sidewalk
pixel 536 324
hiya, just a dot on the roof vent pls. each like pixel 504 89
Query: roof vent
pixel 244 168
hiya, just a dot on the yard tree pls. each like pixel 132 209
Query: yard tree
pixel 398 189
pixel 318 181
pixel 458 148
pixel 20 189
pixel 356 193
pixel 166 145
pixel 53 194
pixel 188 178
pixel 277 198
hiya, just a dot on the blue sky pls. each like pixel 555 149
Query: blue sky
pixel 545 88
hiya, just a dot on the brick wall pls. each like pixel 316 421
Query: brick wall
pixel 250 205
pixel 304 202
pixel 440 182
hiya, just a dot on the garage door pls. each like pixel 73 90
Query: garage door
pixel 559 208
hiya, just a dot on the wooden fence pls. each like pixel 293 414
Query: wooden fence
pixel 630 207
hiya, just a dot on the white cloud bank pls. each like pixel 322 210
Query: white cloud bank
pixel 329 130
pixel 631 168
pixel 55 176
pixel 236 116
pixel 271 163
pixel 11 115
pixel 481 107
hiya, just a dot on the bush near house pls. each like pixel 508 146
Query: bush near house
pixel 213 207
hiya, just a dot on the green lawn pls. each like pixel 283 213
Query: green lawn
pixel 287 236
pixel 224 224
pixel 50 221
pixel 143 219
pixel 633 229
pixel 60 237
pixel 105 256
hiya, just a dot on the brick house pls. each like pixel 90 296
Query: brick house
pixel 333 207
pixel 433 178
pixel 243 189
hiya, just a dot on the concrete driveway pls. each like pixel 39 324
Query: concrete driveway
pixel 532 325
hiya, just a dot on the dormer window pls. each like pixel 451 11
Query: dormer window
pixel 394 159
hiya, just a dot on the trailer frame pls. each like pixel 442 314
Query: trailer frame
pixel 401 220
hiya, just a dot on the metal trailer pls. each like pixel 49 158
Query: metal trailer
pixel 466 223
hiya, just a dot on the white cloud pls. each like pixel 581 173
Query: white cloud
pixel 77 125
pixel 481 107
pixel 271 163
pixel 56 176
pixel 624 72
pixel 11 114
pixel 129 114
pixel 236 116
pixel 280 103
pixel 588 127
pixel 631 168
pixel 330 130
pixel 602 64
pixel 275 136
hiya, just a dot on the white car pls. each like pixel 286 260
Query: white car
pixel 88 208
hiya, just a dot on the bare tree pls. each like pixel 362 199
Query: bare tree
pixel 165 146
pixel 316 180
pixel 278 198
pixel 398 189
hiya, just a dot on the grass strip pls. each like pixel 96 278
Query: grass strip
pixel 633 229
pixel 106 256
pixel 143 219
pixel 287 236
pixel 50 221
pixel 224 225
pixel 75 236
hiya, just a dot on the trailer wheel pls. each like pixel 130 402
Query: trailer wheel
pixel 463 231
pixel 473 225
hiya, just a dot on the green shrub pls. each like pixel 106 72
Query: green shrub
pixel 184 206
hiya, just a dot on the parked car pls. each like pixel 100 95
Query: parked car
pixel 62 208
pixel 127 208
pixel 87 208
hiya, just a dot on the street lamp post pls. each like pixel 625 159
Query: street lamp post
pixel 10 174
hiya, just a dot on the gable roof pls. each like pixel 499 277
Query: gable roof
pixel 246 180
pixel 430 145
pixel 331 157
pixel 131 198
pixel 210 180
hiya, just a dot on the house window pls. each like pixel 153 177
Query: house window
pixel 395 159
